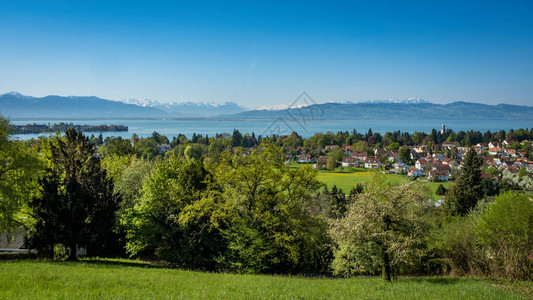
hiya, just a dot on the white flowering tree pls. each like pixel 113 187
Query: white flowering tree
pixel 382 228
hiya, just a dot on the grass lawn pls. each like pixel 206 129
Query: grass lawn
pixel 433 187
pixel 126 279
pixel 347 180
pixel 349 177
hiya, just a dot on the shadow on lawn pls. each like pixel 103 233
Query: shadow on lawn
pixel 16 256
pixel 138 264
pixel 435 280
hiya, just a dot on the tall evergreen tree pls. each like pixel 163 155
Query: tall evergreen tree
pixel 77 205
pixel 236 140
pixel 468 189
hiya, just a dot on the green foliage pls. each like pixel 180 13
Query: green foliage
pixel 331 164
pixel 383 226
pixel 441 190
pixel 468 189
pixel 19 170
pixel 146 148
pixel 337 154
pixel 505 231
pixel 117 146
pixel 492 240
pixel 265 217
pixel 127 173
pixel 394 146
pixel 76 206
pixel 338 201
pixel 455 241
pixel 173 218
pixel 404 155
pixel 195 151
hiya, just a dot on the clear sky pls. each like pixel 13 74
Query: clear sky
pixel 267 52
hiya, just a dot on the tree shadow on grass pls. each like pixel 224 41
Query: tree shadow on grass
pixel 16 256
pixel 434 280
pixel 124 263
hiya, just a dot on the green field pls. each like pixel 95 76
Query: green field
pixel 348 178
pixel 126 279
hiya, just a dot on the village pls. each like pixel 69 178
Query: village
pixel 439 162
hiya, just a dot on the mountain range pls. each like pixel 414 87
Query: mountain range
pixel 190 109
pixel 380 110
pixel 17 106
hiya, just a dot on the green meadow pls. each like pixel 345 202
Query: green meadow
pixel 349 177
pixel 129 279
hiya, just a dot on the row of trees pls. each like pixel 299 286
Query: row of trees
pixel 254 213
pixel 148 148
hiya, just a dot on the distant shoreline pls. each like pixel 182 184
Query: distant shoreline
pixel 61 127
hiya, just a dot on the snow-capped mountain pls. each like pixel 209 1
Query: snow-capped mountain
pixel 399 101
pixel 191 109
pixel 378 101
pixel 142 102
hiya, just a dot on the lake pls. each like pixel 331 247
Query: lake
pixel 173 127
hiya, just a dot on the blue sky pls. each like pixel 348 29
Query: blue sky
pixel 267 52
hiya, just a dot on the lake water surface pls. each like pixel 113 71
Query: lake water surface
pixel 170 128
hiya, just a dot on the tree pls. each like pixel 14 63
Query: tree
pixel 468 189
pixel 76 207
pixel 172 219
pixel 236 139
pixel 331 163
pixel 338 202
pixel 19 169
pixel 337 154
pixel 404 154
pixel 146 148
pixel 127 173
pixel 362 146
pixel 117 146
pixel 382 227
pixel 394 146
pixel 265 214
pixel 441 190
pixel 194 151
pixel 522 172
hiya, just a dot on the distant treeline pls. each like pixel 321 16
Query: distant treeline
pixel 40 128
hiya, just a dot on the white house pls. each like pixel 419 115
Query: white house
pixel 438 175
pixel 360 155
pixel 495 150
pixel 420 164
pixel 494 144
pixel 372 163
pixel 349 162
pixel 305 158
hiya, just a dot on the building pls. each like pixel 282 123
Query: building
pixel 349 162
pixel 372 163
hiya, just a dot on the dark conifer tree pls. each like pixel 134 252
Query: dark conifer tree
pixel 77 205
pixel 468 188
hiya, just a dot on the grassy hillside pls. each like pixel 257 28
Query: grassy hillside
pixel 126 279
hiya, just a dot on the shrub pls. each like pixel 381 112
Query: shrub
pixel 455 241
pixel 505 231
pixel 441 190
